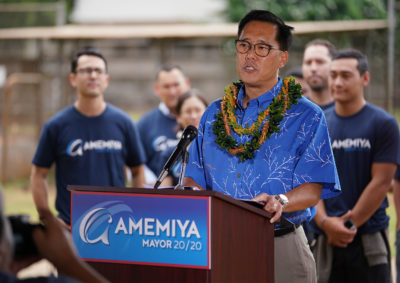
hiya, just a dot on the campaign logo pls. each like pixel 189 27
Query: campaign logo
pixel 357 144
pixel 92 221
pixel 141 229
pixel 75 148
pixel 78 147
pixel 95 224
pixel 162 143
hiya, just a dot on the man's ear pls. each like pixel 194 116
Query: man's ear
pixel 156 89
pixel 187 81
pixel 284 57
pixel 366 77
pixel 72 79
pixel 107 80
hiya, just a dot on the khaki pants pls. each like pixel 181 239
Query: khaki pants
pixel 294 262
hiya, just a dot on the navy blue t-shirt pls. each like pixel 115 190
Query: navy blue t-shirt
pixel 326 107
pixel 397 174
pixel 158 134
pixel 176 168
pixel 88 150
pixel 370 136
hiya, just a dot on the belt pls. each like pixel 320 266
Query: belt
pixel 281 231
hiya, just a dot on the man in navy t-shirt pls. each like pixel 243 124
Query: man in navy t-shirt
pixel 365 141
pixel 158 127
pixel 316 61
pixel 90 142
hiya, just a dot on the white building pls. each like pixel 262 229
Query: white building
pixel 149 11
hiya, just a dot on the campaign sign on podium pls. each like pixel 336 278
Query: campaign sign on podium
pixel 144 229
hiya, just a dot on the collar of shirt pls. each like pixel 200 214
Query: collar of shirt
pixel 164 109
pixel 263 99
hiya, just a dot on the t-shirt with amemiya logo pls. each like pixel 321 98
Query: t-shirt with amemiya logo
pixel 370 136
pixel 88 150
pixel 158 134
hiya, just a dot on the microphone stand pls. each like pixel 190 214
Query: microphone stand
pixel 185 158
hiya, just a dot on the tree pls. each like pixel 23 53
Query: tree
pixel 313 10
pixel 23 13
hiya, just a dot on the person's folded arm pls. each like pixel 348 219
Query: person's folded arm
pixel 374 193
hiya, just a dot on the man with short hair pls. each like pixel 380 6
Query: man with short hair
pixel 316 62
pixel 90 141
pixel 263 141
pixel 352 245
pixel 158 127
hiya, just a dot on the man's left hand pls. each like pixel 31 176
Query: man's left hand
pixel 271 204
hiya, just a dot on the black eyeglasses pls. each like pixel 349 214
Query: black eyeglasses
pixel 261 49
pixel 88 71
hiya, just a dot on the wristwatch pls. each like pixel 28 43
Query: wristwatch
pixel 282 199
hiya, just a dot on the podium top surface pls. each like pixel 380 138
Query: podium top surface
pixel 248 205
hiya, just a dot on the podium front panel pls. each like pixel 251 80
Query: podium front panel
pixel 145 235
pixel 157 230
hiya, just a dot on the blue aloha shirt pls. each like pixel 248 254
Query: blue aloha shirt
pixel 300 153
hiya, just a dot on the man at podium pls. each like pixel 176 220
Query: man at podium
pixel 263 141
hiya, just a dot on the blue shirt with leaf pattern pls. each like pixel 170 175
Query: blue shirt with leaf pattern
pixel 299 153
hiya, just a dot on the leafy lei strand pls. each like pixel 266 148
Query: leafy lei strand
pixel 262 129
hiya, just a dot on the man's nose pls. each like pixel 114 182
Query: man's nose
pixel 251 53
pixel 173 90
pixel 93 74
pixel 337 81
pixel 193 115
pixel 314 66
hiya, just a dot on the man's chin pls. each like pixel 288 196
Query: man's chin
pixel 317 88
pixel 92 94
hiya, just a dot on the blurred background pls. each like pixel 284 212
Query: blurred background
pixel 38 39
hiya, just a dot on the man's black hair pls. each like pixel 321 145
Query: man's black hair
pixel 284 34
pixel 86 51
pixel 350 53
pixel 168 68
pixel 185 96
pixel 331 48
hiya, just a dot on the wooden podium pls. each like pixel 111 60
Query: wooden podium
pixel 241 241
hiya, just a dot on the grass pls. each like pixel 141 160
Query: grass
pixel 392 224
pixel 18 198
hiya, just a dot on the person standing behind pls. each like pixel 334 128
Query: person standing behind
pixel 365 141
pixel 90 141
pixel 191 106
pixel 263 141
pixel 157 128
pixel 316 62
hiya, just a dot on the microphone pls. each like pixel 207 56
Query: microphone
pixel 189 133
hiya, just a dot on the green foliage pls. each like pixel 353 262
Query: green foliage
pixel 313 10
pixel 28 17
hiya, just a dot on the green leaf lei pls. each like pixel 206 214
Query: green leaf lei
pixel 262 129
